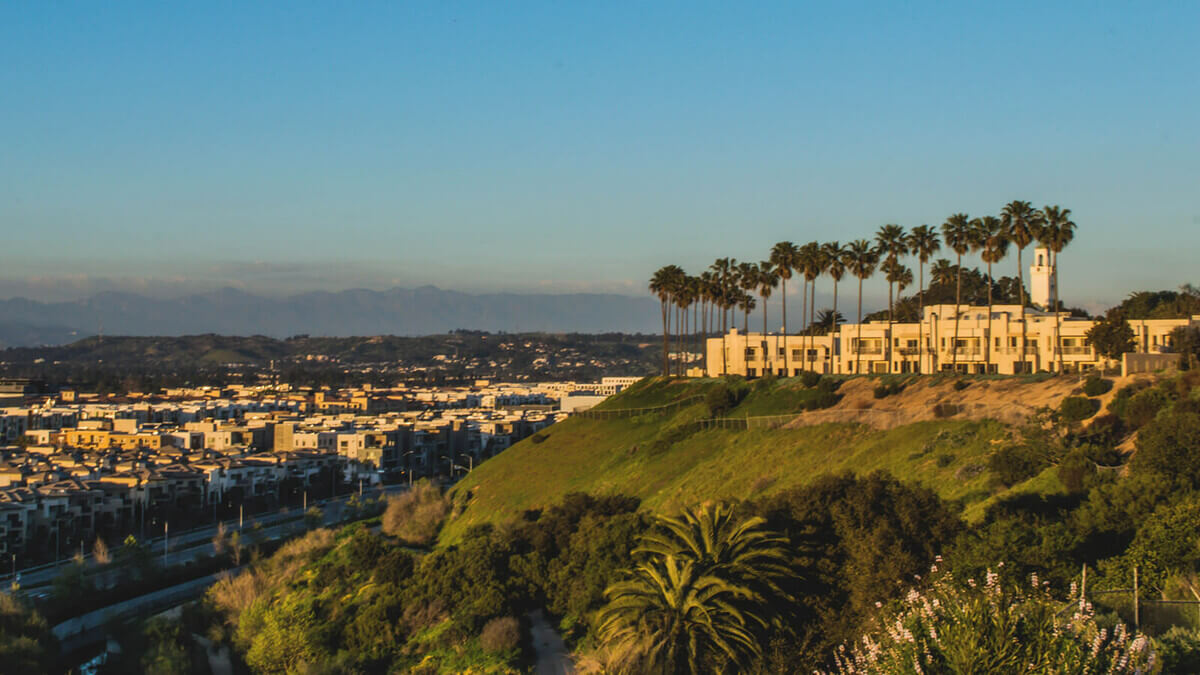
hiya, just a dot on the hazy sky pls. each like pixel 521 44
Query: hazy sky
pixel 575 146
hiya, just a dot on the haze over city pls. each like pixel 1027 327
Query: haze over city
pixel 167 150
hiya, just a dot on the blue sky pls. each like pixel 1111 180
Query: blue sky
pixel 577 146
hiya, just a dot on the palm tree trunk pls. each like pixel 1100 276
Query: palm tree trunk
pixel 1021 294
pixel 803 315
pixel 812 319
pixel 921 315
pixel 988 347
pixel 889 330
pixel 957 312
pixel 765 346
pixel 858 347
pixel 833 329
pixel 666 348
pixel 724 344
pixel 1057 320
pixel 786 371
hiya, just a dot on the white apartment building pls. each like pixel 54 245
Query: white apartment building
pixel 966 339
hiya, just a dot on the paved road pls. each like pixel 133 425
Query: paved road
pixel 274 525
pixel 553 658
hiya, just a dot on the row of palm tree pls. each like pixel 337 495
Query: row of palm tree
pixel 697 304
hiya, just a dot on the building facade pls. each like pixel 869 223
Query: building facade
pixel 974 343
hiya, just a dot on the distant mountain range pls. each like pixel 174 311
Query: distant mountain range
pixel 399 311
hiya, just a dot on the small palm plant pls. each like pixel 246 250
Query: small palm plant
pixel 698 597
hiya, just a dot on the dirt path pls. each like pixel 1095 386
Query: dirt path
pixel 553 658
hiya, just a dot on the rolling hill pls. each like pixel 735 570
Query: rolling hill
pixel 667 460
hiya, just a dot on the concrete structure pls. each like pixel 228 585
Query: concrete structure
pixel 982 344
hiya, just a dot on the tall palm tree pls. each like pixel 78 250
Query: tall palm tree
pixel 861 259
pixel 923 241
pixel 807 263
pixel 698 594
pixel 1022 222
pixel 746 303
pixel 1055 233
pixel 783 257
pixel 943 272
pixel 768 279
pixel 819 263
pixel 991 238
pixel 662 284
pixel 835 255
pixel 723 270
pixel 900 276
pixel 892 243
pixel 747 280
pixel 683 301
pixel 956 232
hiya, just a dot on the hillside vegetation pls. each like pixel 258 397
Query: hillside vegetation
pixel 665 459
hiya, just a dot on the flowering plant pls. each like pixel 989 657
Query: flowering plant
pixel 994 625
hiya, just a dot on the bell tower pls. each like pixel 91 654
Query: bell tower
pixel 1041 277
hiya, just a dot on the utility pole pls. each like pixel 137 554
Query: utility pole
pixel 166 539
pixel 241 515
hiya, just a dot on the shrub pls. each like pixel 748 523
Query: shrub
pixel 1119 405
pixel 721 399
pixel 1143 406
pixel 1107 429
pixel 1015 463
pixel 415 516
pixel 1179 650
pixel 943 410
pixel 945 460
pixel 1075 409
pixel 992 626
pixel 539 437
pixel 885 389
pixel 500 635
pixel 821 400
pixel 1171 447
pixel 810 379
pixel 959 385
pixel 1096 386
pixel 829 384
pixel 1075 470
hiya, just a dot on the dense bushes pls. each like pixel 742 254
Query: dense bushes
pixel 854 538
pixel 357 602
pixel 500 635
pixel 993 625
pixel 415 516
pixel 885 389
pixel 1075 409
pixel 1012 464
pixel 26 643
pixel 722 398
pixel 1096 386
pixel 810 378
pixel 1171 448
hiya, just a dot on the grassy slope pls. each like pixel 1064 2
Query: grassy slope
pixel 661 459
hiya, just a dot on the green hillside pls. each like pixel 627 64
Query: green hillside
pixel 665 460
